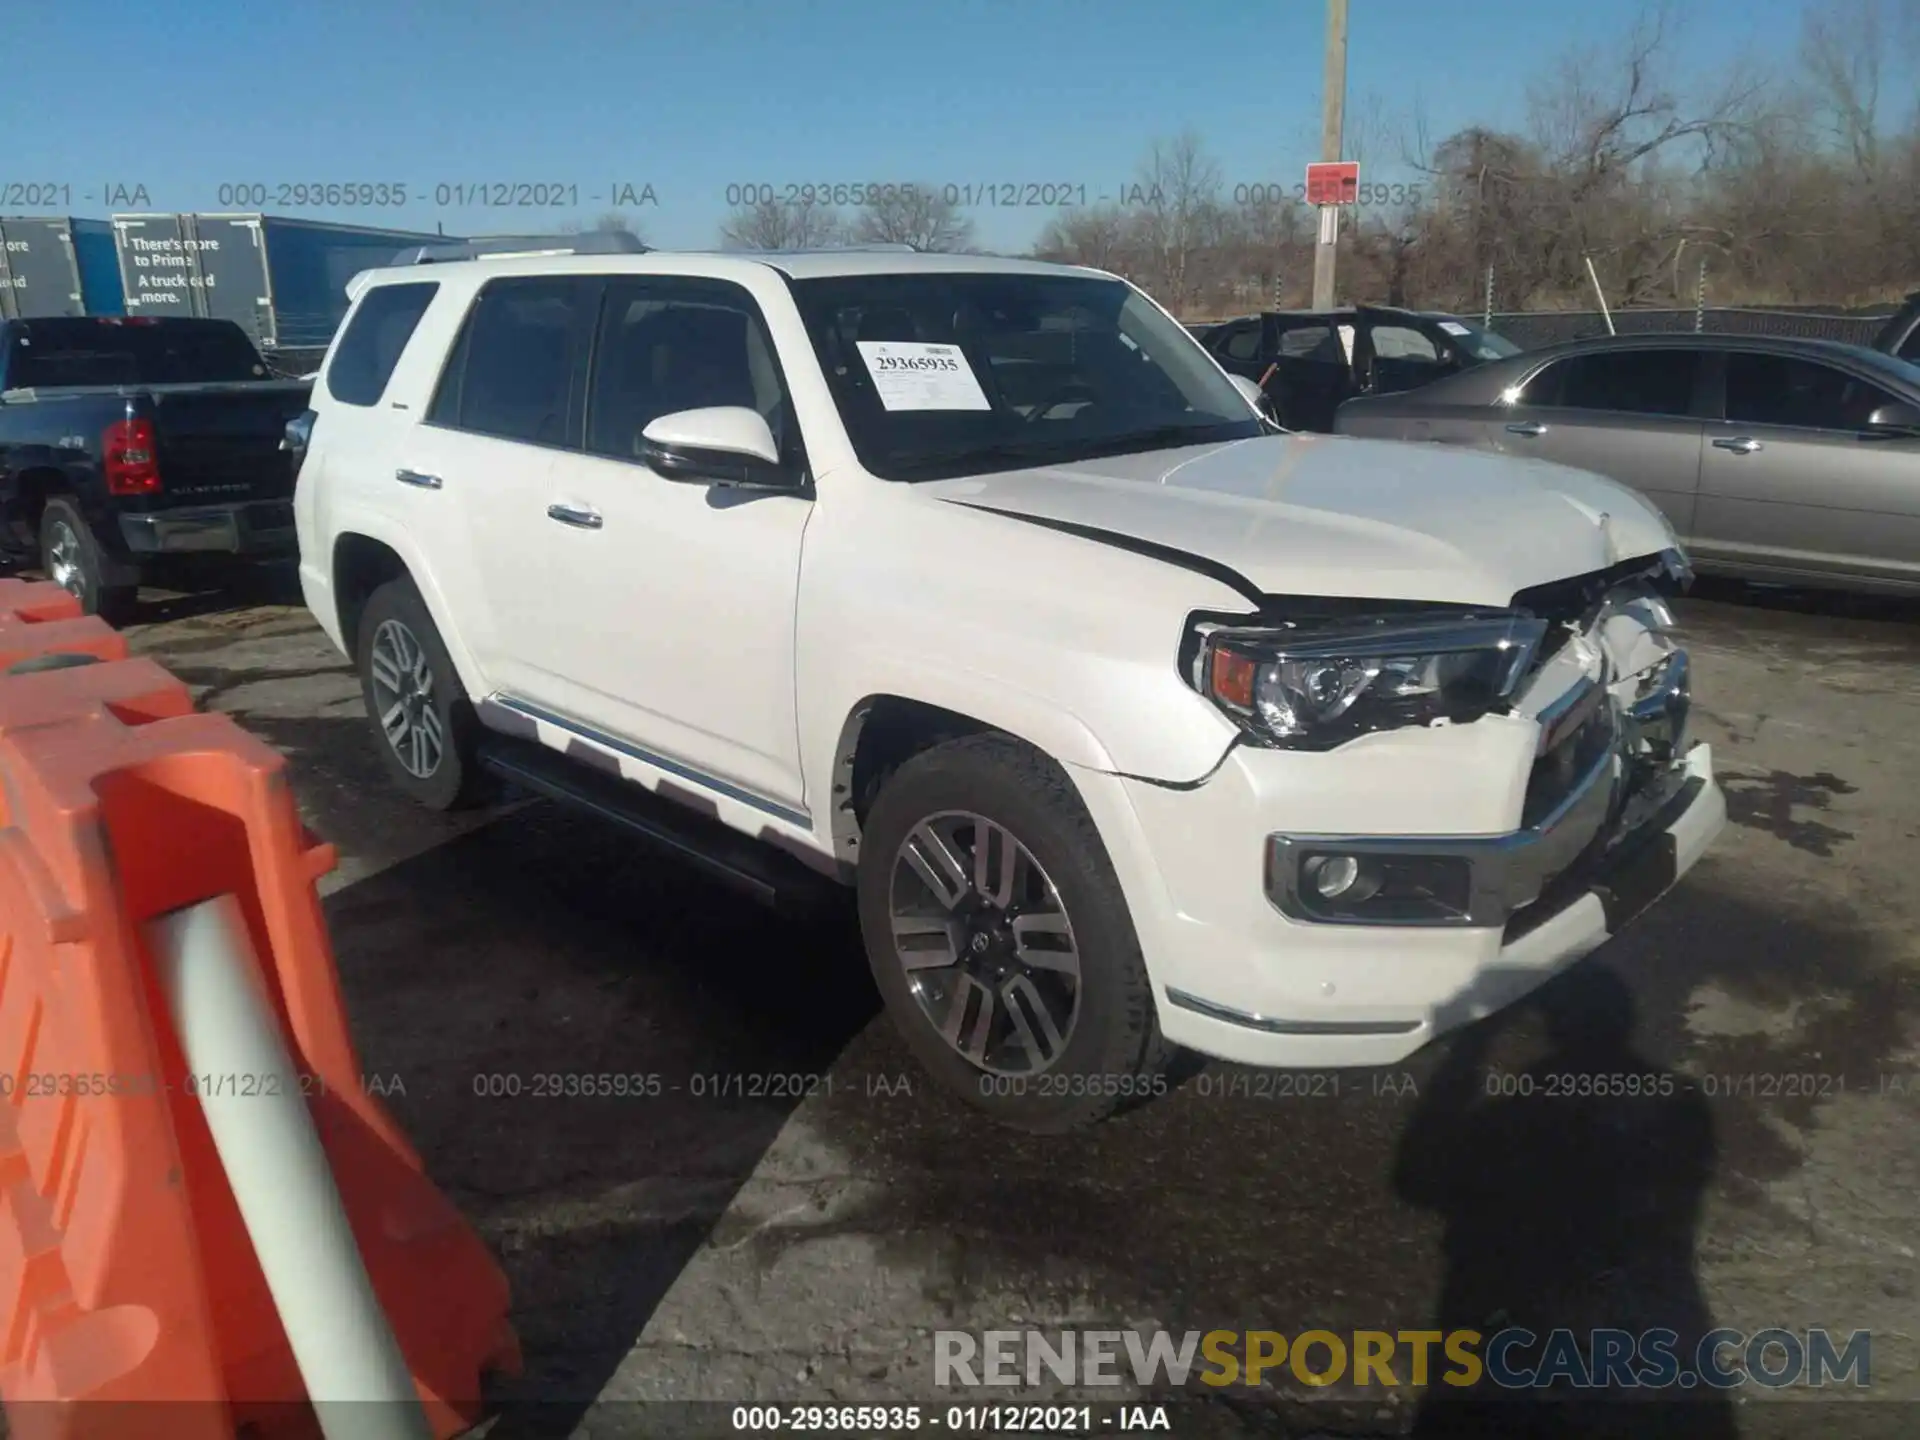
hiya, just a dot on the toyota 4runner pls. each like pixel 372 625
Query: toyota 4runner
pixel 978 585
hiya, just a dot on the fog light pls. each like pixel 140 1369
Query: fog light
pixel 1333 875
pixel 1342 877
pixel 1371 888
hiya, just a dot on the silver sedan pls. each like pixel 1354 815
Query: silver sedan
pixel 1780 460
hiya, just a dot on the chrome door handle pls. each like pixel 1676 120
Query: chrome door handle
pixel 1744 445
pixel 1527 427
pixel 414 477
pixel 575 515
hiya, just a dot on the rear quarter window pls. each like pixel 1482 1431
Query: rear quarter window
pixel 381 325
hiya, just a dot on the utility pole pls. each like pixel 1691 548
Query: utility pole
pixel 1333 104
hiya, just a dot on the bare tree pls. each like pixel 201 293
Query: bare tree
pixel 1181 184
pixel 918 215
pixel 770 225
pixel 1797 186
pixel 618 222
pixel 1095 235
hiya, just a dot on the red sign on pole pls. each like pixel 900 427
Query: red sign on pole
pixel 1333 182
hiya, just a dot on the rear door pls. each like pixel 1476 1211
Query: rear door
pixel 1789 481
pixel 230 261
pixel 1630 415
pixel 477 471
pixel 1313 370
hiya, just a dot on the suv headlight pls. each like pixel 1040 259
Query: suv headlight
pixel 1315 689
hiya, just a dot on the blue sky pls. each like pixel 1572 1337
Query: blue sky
pixel 695 95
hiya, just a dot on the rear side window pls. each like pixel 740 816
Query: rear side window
pixel 516 371
pixel 1633 382
pixel 1243 343
pixel 382 324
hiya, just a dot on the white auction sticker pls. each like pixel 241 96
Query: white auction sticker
pixel 1454 327
pixel 914 376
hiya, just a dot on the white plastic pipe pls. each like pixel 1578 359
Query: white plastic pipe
pixel 255 1105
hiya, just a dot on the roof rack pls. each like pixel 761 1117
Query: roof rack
pixel 509 247
pixel 887 247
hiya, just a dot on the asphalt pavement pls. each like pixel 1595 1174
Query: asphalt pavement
pixel 780 1208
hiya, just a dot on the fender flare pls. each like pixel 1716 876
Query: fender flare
pixel 371 526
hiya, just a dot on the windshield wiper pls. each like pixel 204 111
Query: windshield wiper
pixel 1063 451
pixel 1160 437
pixel 1027 452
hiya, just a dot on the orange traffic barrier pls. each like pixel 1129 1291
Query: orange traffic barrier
pixel 44 619
pixel 131 1302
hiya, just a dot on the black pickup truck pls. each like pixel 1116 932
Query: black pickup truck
pixel 127 444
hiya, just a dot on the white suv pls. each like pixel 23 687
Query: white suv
pixel 978 585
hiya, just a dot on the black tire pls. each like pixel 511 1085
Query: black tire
pixel 71 557
pixel 1113 1054
pixel 396 615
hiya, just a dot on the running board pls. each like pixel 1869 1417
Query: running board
pixel 764 872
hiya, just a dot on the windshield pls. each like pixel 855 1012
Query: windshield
pixel 118 352
pixel 947 374
pixel 1477 343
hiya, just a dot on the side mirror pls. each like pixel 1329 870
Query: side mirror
pixel 1900 415
pixel 297 436
pixel 1258 398
pixel 716 445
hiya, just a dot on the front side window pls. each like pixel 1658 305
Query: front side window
pixel 1632 382
pixel 945 373
pixel 515 368
pixel 1398 342
pixel 382 323
pixel 1318 343
pixel 669 344
pixel 1780 390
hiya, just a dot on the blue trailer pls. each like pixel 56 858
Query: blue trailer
pixel 280 279
pixel 58 265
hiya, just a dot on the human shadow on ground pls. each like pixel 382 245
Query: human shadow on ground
pixel 1570 1190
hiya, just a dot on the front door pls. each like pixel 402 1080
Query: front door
pixel 1791 481
pixel 680 597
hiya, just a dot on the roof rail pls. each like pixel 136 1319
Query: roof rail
pixel 884 247
pixel 507 247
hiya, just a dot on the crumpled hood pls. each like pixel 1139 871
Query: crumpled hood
pixel 1329 515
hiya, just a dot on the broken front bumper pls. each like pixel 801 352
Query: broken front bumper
pixel 1499 852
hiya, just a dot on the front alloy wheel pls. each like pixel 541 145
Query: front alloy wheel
pixel 986 943
pixel 1000 939
pixel 402 682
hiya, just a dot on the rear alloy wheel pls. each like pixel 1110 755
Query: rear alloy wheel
pixel 425 725
pixel 70 557
pixel 1000 939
